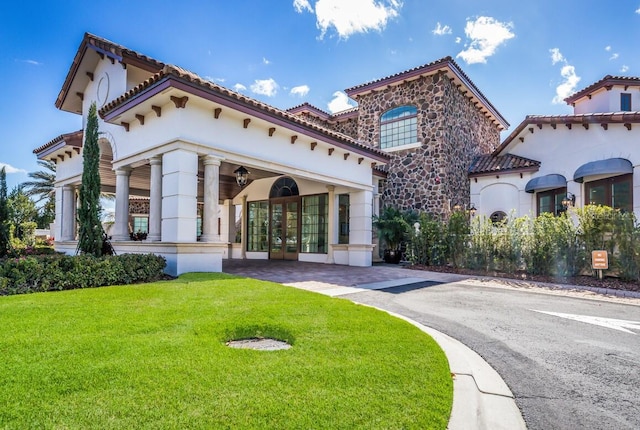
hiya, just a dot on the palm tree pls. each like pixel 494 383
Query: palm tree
pixel 42 184
pixel 42 188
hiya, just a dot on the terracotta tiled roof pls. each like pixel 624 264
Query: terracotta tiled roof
pixel 604 82
pixel 180 74
pixel 577 119
pixel 74 136
pixel 307 107
pixel 492 164
pixel 430 68
pixel 105 47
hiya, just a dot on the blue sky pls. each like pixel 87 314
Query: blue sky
pixel 525 56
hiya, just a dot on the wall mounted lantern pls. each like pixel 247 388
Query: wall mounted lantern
pixel 242 176
pixel 472 209
pixel 569 200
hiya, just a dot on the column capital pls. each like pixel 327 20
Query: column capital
pixel 212 160
pixel 331 188
pixel 123 171
pixel 155 160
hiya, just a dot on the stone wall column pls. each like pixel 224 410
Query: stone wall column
pixel 155 200
pixel 121 225
pixel 210 231
pixel 68 213
pixel 179 196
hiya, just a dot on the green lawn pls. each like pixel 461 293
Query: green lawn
pixel 154 356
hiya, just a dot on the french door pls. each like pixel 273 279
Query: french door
pixel 284 215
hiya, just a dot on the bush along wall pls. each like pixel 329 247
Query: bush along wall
pixel 545 245
pixel 38 273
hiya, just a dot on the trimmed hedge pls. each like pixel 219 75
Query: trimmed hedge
pixel 39 273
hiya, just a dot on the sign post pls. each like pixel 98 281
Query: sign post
pixel 599 262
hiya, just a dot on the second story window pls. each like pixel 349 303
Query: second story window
pixel 625 102
pixel 399 126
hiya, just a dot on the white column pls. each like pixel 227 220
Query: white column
pixel 179 196
pixel 360 211
pixel 243 228
pixel 155 200
pixel 57 224
pixel 211 196
pixel 228 222
pixel 121 225
pixel 332 226
pixel 68 213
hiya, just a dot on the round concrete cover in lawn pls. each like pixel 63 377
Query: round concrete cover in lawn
pixel 259 344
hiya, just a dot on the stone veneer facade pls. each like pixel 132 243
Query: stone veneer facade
pixel 452 131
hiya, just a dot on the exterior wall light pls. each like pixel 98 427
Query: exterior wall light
pixel 242 176
pixel 569 200
pixel 472 209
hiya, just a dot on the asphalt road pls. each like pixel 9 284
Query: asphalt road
pixel 565 374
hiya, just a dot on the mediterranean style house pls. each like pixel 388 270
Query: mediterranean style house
pixel 191 162
pixel 550 162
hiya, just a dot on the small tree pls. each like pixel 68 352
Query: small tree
pixel 4 215
pixel 90 228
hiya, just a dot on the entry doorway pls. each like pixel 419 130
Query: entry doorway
pixel 284 235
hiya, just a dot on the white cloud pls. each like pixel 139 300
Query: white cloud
pixel 32 62
pixel 569 76
pixel 607 48
pixel 10 169
pixel 614 56
pixel 350 17
pixel 441 30
pixel 239 88
pixel 339 103
pixel 300 90
pixel 213 79
pixel 265 61
pixel 302 5
pixel 265 87
pixel 624 69
pixel 486 34
pixel 638 11
pixel 458 39
pixel 556 56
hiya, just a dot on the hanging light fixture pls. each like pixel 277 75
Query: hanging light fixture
pixel 472 209
pixel 242 176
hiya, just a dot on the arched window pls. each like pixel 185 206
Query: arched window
pixel 284 187
pixel 399 126
pixel 497 217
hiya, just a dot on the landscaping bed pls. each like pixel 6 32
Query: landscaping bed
pixel 585 281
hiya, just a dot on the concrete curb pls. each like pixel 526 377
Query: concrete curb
pixel 481 398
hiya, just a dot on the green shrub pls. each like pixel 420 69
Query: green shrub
pixel 428 245
pixel 63 272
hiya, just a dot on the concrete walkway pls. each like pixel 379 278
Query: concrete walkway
pixel 481 399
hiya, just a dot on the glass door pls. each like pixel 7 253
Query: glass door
pixel 285 230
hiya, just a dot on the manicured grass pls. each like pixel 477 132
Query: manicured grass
pixel 154 356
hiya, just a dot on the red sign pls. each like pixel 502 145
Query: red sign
pixel 600 260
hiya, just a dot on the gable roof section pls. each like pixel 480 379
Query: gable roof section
pixel 319 113
pixel 607 82
pixel 446 64
pixel 491 164
pixel 102 47
pixel 176 77
pixel 603 119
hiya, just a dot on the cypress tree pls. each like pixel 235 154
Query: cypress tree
pixel 4 215
pixel 90 228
